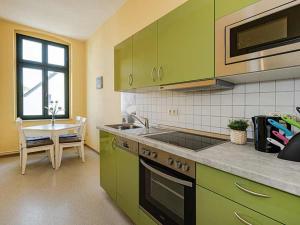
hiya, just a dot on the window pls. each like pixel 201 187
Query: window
pixel 42 77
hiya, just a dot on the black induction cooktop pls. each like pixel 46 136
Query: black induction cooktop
pixel 186 140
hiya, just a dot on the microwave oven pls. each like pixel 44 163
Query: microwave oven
pixel 261 37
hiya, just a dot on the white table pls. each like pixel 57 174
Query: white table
pixel 54 131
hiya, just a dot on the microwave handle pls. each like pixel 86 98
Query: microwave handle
pixel 166 176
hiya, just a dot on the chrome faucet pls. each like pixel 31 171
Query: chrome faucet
pixel 140 119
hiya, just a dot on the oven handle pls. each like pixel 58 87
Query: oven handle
pixel 168 177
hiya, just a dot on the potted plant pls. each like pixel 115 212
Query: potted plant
pixel 238 134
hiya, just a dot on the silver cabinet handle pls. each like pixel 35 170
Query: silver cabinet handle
pixel 160 70
pixel 241 219
pixel 250 192
pixel 130 79
pixel 166 176
pixel 114 143
pixel 153 74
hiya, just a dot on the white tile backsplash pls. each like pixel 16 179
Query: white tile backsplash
pixel 211 110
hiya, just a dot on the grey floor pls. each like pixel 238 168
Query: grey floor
pixel 70 195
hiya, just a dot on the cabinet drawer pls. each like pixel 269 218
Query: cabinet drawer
pixel 217 210
pixel 144 219
pixel 271 202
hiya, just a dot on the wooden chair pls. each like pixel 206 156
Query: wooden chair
pixel 73 140
pixel 33 144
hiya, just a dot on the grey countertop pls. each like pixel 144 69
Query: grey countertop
pixel 240 160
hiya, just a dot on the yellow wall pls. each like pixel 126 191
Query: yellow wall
pixel 103 106
pixel 8 134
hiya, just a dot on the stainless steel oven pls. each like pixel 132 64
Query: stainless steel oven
pixel 167 187
pixel 260 37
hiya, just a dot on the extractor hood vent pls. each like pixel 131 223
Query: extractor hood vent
pixel 212 84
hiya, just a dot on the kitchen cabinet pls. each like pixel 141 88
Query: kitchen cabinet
pixel 145 57
pixel 128 183
pixel 227 7
pixel 186 43
pixel 144 219
pixel 278 205
pixel 217 210
pixel 124 78
pixel 108 166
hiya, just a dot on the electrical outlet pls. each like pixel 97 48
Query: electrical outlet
pixel 173 112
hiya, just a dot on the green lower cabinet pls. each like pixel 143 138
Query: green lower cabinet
pixel 144 219
pixel 213 209
pixel 108 166
pixel 128 183
pixel 186 43
pixel 224 8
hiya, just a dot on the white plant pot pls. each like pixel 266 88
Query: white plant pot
pixel 238 137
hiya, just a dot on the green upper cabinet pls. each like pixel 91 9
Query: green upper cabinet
pixel 124 79
pixel 224 8
pixel 108 166
pixel 145 56
pixel 186 43
pixel 128 183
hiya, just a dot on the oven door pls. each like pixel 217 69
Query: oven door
pixel 167 195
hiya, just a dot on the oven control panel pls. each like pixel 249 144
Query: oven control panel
pixel 169 160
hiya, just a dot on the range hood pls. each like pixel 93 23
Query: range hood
pixel 211 84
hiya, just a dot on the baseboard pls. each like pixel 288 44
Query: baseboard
pixel 10 153
pixel 92 148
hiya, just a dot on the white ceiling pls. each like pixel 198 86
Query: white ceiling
pixel 72 18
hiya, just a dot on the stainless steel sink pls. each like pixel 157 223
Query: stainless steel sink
pixel 124 126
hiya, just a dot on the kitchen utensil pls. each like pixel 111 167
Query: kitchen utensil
pixel 288 133
pixel 262 130
pixel 292 150
pixel 298 109
pixel 291 121
pixel 281 137
pixel 274 142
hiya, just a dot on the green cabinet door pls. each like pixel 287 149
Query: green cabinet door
pixel 145 57
pixel 227 7
pixel 108 169
pixel 144 219
pixel 124 79
pixel 128 183
pixel 186 43
pixel 217 210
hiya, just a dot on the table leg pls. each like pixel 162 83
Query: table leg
pixel 55 138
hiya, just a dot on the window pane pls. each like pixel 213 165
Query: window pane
pixel 32 92
pixel 56 55
pixel 32 51
pixel 56 89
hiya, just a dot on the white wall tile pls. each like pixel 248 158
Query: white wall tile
pixel 251 111
pixel 297 85
pixel 267 98
pixel 211 110
pixel 239 89
pixel 205 120
pixel 216 110
pixel 268 86
pixel 252 87
pixel 205 99
pixel 226 99
pixel 252 99
pixel 285 85
pixel 238 99
pixel 226 111
pixel 285 98
pixel 215 99
pixel 238 111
